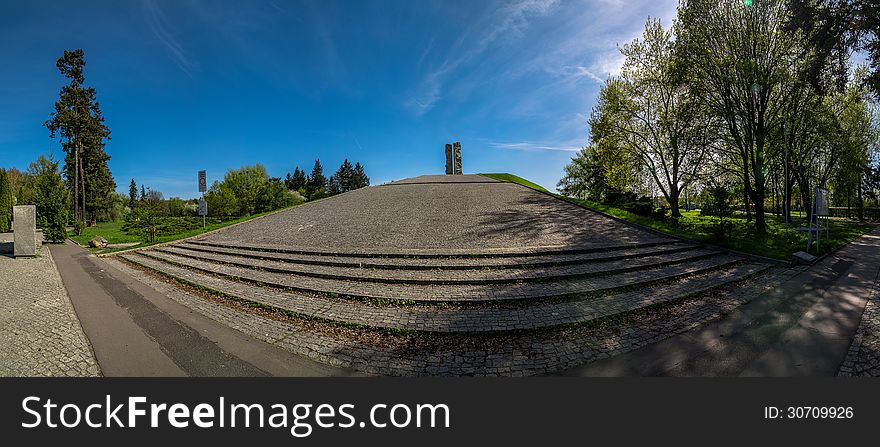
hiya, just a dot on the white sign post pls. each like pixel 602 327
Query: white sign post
pixel 203 205
pixel 819 219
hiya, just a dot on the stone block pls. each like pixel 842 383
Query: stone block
pixel 804 258
pixel 449 159
pixel 24 242
pixel 457 149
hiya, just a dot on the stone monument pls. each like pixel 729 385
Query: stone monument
pixel 24 230
pixel 449 170
pixel 457 149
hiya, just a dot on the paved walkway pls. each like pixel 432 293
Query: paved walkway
pixel 137 331
pixel 804 327
pixel 39 331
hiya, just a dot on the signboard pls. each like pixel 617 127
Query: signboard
pixel 203 207
pixel 821 202
pixel 203 181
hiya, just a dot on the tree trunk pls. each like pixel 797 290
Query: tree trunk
pixel 83 195
pixel 673 203
pixel 861 203
pixel 76 182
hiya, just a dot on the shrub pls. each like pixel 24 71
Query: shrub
pixel 51 199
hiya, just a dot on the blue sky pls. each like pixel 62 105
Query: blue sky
pixel 189 85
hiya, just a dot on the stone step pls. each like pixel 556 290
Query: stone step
pixel 505 262
pixel 564 288
pixel 428 277
pixel 440 253
pixel 465 319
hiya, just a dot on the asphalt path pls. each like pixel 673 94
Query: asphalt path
pixel 137 331
pixel 803 327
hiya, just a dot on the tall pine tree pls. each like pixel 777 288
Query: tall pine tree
pixel 78 121
pixel 317 184
pixel 342 179
pixel 132 194
pixel 359 178
pixel 5 202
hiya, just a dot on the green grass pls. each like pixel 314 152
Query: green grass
pixel 510 178
pixel 112 231
pixel 778 242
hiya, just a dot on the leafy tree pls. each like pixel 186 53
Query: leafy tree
pixel 177 207
pixel 147 219
pixel 742 61
pixel 78 121
pixel 316 186
pixel 221 200
pixel 132 194
pixel 51 197
pixel 718 202
pixel 359 178
pixel 6 201
pixel 274 195
pixel 835 28
pixel 118 203
pixel 584 176
pixel 246 183
pixel 651 111
pixel 22 185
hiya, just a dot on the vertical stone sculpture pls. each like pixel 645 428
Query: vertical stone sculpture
pixel 24 230
pixel 457 149
pixel 449 159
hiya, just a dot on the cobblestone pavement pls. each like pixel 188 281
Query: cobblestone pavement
pixel 456 318
pixel 509 354
pixel 863 358
pixel 442 263
pixel 40 334
pixel 472 276
pixel 438 214
pixel 449 293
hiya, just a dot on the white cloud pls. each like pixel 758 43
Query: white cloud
pixel 508 22
pixel 160 27
pixel 532 146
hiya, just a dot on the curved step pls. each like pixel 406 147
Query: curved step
pixel 450 293
pixel 506 262
pixel 438 253
pixel 428 277
pixel 469 319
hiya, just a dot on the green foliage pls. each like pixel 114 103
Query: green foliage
pixel 177 207
pixel 359 178
pixel 275 195
pixel 145 220
pixel 718 202
pixel 246 183
pixel 515 179
pixel 5 202
pixel 221 200
pixel 51 199
pixel 777 242
pixel 651 113
pixel 132 194
pixel 341 180
pixel 316 185
pixel 297 181
pixel 585 176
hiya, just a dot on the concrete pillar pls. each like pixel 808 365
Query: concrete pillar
pixel 25 230
pixel 449 159
pixel 457 148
